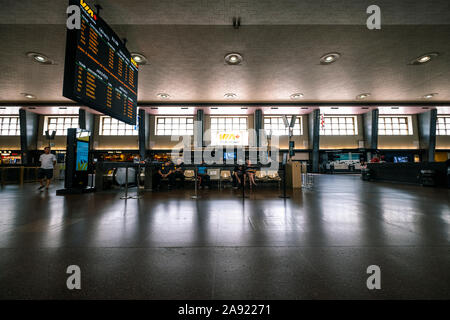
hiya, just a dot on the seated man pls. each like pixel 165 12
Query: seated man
pixel 178 172
pixel 204 178
pixel 238 176
pixel 164 171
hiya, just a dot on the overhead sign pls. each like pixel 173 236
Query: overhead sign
pixel 99 71
pixel 235 138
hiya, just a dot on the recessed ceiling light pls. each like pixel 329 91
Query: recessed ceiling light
pixel 365 108
pixel 394 107
pixel 329 58
pixel 163 95
pixel 334 108
pixel 214 108
pixel 425 58
pixel 430 95
pixel 274 108
pixel 230 95
pixel 139 58
pixel 233 58
pixel 29 95
pixel 39 58
pixel 304 108
pixel 244 108
pixel 154 108
pixel 296 96
pixel 362 95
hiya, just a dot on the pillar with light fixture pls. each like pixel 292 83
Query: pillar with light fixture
pixel 370 121
pixel 427 133
pixel 198 129
pixel 144 132
pixel 258 119
pixel 86 120
pixel 29 123
pixel 314 139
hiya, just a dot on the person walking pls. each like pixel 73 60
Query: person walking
pixel 45 173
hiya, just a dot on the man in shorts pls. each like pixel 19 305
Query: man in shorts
pixel 45 172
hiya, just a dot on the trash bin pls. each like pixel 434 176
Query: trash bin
pixel 428 178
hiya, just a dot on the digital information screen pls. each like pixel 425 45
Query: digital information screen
pixel 82 155
pixel 99 71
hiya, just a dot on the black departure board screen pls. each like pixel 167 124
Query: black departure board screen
pixel 99 71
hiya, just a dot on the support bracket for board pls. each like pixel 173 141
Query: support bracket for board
pixel 124 40
pixel 99 8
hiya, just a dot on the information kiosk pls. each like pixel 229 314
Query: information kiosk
pixel 77 162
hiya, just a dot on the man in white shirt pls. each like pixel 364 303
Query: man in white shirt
pixel 45 172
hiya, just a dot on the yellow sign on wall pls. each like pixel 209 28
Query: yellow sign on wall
pixel 235 138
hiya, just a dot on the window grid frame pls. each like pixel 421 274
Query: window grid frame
pixel 443 125
pixel 170 130
pixel 60 124
pixel 220 124
pixel 386 125
pixel 215 127
pixel 6 124
pixel 297 130
pixel 339 131
pixel 108 125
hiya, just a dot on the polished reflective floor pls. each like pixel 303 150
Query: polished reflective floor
pixel 315 245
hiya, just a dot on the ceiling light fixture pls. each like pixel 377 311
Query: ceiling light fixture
pixel 430 95
pixel 274 108
pixel 424 58
pixel 362 96
pixel 154 108
pixel 29 95
pixel 335 108
pixel 39 58
pixel 230 95
pixel 163 95
pixel 139 58
pixel 329 58
pixel 296 96
pixel 233 58
pixel 305 108
pixel 394 107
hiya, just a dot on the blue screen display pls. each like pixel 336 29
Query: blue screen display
pixel 229 155
pixel 400 159
pixel 82 156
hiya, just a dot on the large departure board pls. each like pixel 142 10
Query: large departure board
pixel 99 71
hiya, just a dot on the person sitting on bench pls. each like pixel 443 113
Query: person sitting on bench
pixel 238 176
pixel 178 172
pixel 250 172
pixel 204 178
pixel 164 171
